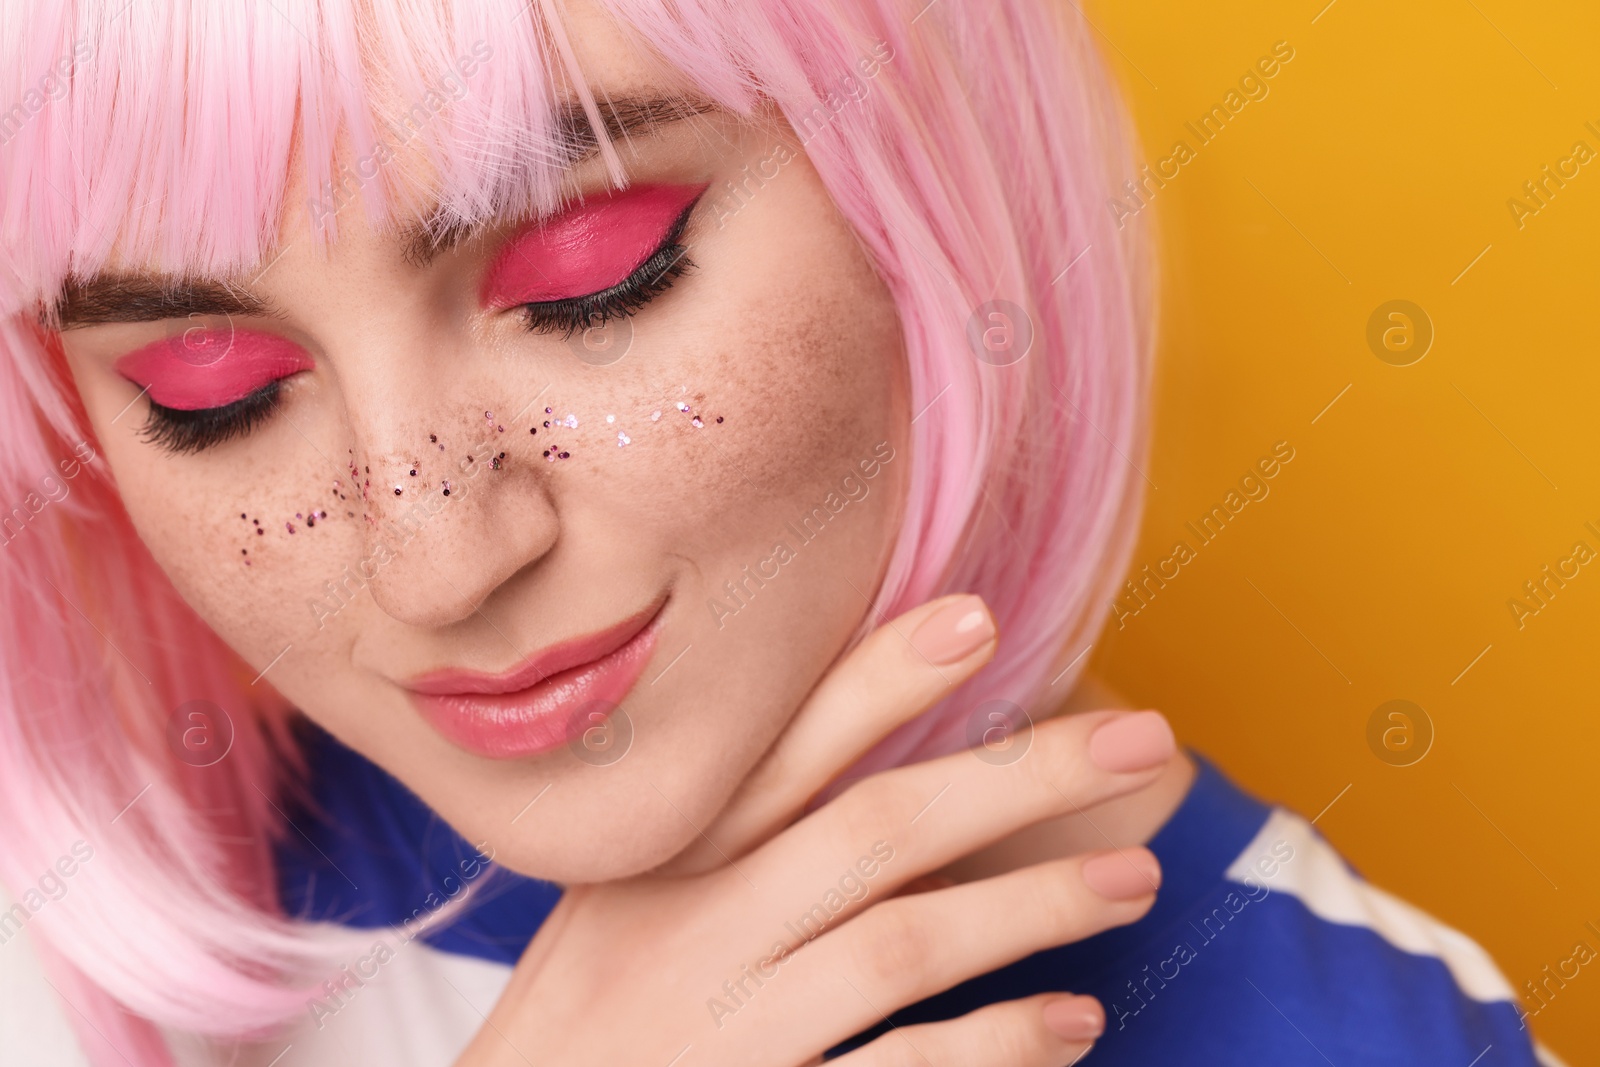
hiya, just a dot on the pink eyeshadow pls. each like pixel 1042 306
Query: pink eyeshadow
pixel 211 368
pixel 591 246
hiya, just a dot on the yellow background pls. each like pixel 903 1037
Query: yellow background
pixel 1380 565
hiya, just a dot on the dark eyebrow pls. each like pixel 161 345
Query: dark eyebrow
pixel 576 141
pixel 131 297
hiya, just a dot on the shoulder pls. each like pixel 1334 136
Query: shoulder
pixel 1293 958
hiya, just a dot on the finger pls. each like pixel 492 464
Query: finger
pixel 897 672
pixel 908 948
pixel 901 823
pixel 1047 1030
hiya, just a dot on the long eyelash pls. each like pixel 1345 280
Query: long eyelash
pixel 187 432
pixel 649 280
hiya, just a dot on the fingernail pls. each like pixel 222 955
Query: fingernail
pixel 955 631
pixel 1075 1018
pixel 1123 875
pixel 1133 742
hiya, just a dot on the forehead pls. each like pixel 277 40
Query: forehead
pixel 180 149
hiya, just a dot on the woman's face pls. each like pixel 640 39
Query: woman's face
pixel 724 469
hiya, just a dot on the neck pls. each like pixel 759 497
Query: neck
pixel 1128 820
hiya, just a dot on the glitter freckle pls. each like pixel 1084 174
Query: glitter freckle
pixel 655 416
pixel 719 418
pixel 696 423
pixel 623 439
pixel 397 490
pixel 564 455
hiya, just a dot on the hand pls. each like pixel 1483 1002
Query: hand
pixel 803 935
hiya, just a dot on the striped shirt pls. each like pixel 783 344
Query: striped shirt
pixel 1263 946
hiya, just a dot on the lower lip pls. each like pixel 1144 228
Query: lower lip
pixel 546 715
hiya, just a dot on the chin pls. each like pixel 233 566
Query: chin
pixel 570 849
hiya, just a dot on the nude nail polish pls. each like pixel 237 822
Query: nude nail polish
pixel 1075 1018
pixel 1122 875
pixel 955 631
pixel 1133 742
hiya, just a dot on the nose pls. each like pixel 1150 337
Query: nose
pixel 454 503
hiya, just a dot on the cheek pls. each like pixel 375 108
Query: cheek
pixel 804 362
pixel 247 536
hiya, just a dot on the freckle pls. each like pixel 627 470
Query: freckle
pixel 244 552
pixel 368 469
pixel 433 437
pixel 349 514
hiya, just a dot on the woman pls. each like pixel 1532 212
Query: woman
pixel 466 450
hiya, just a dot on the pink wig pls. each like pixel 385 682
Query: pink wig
pixel 975 164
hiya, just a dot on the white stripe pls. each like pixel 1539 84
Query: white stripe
pixel 1319 879
pixel 1546 1057
pixel 420 1009
pixel 33 1021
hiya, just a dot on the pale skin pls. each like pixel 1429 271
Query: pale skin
pixel 691 853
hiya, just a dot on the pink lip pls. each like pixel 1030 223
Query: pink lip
pixel 543 702
pixel 211 368
pixel 589 247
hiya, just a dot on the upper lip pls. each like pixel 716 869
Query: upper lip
pixel 574 652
